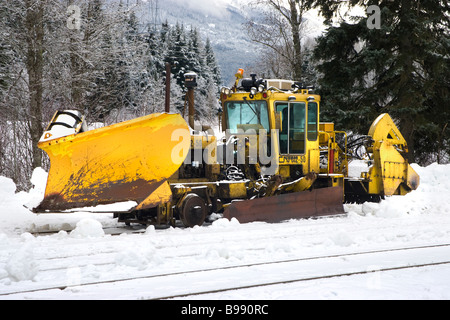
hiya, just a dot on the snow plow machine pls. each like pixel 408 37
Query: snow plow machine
pixel 274 161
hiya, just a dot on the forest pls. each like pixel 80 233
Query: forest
pixel 97 57
pixel 375 56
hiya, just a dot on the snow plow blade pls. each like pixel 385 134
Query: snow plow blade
pixel 128 161
pixel 306 204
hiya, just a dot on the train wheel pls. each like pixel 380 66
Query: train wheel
pixel 193 211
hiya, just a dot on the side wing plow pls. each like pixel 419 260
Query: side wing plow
pixel 130 160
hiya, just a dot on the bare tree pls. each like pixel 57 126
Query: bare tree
pixel 50 66
pixel 279 28
pixel 90 55
pixel 34 28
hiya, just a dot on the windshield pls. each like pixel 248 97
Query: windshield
pixel 247 114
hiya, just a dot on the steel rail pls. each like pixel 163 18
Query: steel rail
pixel 345 274
pixel 252 265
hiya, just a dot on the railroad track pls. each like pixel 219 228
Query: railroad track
pixel 187 244
pixel 113 231
pixel 266 284
pixel 217 279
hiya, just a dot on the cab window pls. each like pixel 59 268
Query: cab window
pixel 292 135
pixel 312 121
pixel 247 114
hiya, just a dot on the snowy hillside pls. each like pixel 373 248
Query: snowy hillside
pixel 405 238
pixel 222 22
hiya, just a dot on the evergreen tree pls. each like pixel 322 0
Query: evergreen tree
pixel 83 50
pixel 194 55
pixel 177 54
pixel 401 68
pixel 156 51
pixel 122 75
pixel 186 53
pixel 211 64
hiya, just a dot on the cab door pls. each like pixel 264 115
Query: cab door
pixel 298 138
pixel 292 135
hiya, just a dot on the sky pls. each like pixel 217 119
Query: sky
pixel 207 7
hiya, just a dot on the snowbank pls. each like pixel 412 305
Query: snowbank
pixel 16 217
pixel 12 211
pixel 88 228
pixel 86 254
pixel 22 265
pixel 431 197
pixel 141 259
pixel 34 197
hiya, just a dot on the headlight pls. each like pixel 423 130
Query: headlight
pixel 225 91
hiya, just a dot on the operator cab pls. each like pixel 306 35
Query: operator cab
pixel 64 123
pixel 283 108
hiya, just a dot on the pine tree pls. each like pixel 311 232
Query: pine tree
pixel 186 53
pixel 177 54
pixel 400 68
pixel 194 55
pixel 106 67
pixel 156 51
pixel 83 52
pixel 121 77
pixel 211 64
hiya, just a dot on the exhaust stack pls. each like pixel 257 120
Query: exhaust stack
pixel 190 81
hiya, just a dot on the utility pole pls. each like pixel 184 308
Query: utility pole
pixel 168 71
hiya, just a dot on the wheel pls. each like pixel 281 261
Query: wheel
pixel 193 211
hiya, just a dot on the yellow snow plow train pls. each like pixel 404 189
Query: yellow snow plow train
pixel 273 161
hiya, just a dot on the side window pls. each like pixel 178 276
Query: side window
pixel 292 134
pixel 297 128
pixel 284 109
pixel 312 121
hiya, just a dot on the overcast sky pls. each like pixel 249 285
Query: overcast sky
pixel 207 7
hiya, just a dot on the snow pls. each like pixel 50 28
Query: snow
pixel 88 228
pixel 82 252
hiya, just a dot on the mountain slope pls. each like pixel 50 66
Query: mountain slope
pixel 219 20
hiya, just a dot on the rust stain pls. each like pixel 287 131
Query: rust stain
pixel 105 193
pixel 126 161
pixel 306 204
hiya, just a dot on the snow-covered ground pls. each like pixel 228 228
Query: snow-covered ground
pixel 88 255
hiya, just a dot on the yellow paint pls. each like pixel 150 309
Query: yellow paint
pixel 160 196
pixel 310 159
pixel 87 166
pixel 134 160
pixel 391 172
